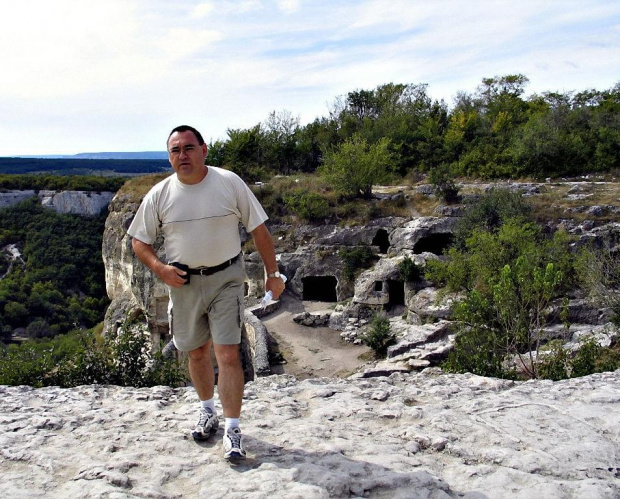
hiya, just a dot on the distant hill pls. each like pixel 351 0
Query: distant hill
pixel 73 165
pixel 105 155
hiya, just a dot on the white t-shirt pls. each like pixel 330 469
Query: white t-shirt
pixel 200 222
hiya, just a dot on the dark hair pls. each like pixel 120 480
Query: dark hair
pixel 186 128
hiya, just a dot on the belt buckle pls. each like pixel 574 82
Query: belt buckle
pixel 203 271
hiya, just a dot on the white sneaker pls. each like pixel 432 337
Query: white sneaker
pixel 233 445
pixel 208 424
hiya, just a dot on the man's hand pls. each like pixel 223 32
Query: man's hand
pixel 167 273
pixel 172 276
pixel 275 285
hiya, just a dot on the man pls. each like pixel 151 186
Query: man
pixel 198 210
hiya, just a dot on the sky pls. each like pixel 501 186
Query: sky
pixel 118 75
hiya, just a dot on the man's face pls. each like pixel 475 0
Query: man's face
pixel 187 157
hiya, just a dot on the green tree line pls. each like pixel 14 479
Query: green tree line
pixel 494 131
pixel 49 182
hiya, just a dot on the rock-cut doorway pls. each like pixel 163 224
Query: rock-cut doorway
pixel 320 288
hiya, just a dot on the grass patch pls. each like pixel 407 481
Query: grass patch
pixel 137 187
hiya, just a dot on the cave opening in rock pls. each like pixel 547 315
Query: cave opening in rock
pixel 435 243
pixel 320 288
pixel 381 239
pixel 396 293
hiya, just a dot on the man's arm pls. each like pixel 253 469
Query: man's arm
pixel 264 245
pixel 167 273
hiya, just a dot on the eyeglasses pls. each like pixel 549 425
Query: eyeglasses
pixel 177 151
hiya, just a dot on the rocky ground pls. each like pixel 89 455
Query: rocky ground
pixel 427 435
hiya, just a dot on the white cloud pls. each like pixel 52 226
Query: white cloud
pixel 113 74
pixel 289 6
pixel 202 10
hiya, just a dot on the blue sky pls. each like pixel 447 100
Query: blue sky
pixel 117 75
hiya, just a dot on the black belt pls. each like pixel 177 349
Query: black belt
pixel 213 270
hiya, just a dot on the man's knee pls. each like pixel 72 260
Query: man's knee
pixel 200 353
pixel 227 355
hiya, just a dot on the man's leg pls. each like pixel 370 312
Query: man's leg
pixel 230 388
pixel 203 377
pixel 201 371
pixel 230 379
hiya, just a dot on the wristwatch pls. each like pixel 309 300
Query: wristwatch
pixel 274 274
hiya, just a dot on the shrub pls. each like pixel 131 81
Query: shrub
pixel 478 351
pixel 599 273
pixel 555 364
pixel 307 205
pixel 443 184
pixel 355 166
pixel 589 358
pixel 490 212
pixel 360 257
pixel 81 358
pixel 378 336
pixel 508 279
pixel 408 270
pixel 38 329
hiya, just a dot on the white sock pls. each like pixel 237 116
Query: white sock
pixel 208 404
pixel 231 423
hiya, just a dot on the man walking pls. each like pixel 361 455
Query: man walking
pixel 198 210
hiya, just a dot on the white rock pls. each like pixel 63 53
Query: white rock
pixel 408 435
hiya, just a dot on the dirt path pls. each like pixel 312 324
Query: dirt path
pixel 310 352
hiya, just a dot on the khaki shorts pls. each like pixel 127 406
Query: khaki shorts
pixel 209 307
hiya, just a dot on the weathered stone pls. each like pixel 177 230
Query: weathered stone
pixel 431 234
pixel 373 286
pixel 76 202
pixel 10 198
pixel 413 336
pixel 312 320
pixel 427 434
pixel 384 368
pixel 428 303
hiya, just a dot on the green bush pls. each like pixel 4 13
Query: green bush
pixel 378 336
pixel 443 183
pixel 508 280
pixel 81 358
pixel 489 212
pixel 589 358
pixel 307 205
pixel 599 274
pixel 360 257
pixel 478 350
pixel 355 165
pixel 408 270
pixel 555 364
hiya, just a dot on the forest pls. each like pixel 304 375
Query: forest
pixel 493 132
pixel 58 283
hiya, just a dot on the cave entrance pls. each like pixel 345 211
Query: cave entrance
pixel 396 293
pixel 382 240
pixel 320 288
pixel 435 243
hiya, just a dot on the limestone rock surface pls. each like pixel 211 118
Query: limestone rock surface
pixel 76 202
pixel 425 435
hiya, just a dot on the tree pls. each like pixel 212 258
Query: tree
pixel 508 279
pixel 243 153
pixel 279 139
pixel 355 166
